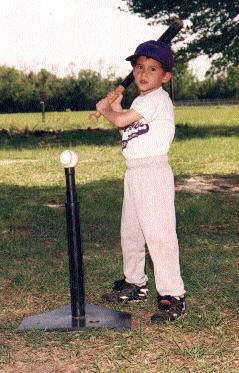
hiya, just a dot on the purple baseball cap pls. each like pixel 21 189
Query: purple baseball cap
pixel 157 50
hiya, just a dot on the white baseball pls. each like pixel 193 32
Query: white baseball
pixel 68 158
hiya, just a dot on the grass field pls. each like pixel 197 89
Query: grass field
pixel 196 116
pixel 34 264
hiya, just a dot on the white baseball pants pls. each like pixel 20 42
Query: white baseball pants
pixel 148 217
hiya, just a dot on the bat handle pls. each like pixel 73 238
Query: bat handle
pixel 94 117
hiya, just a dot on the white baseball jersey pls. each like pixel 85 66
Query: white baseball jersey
pixel 153 134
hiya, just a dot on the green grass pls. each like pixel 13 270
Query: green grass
pixel 34 264
pixel 208 116
pixel 67 120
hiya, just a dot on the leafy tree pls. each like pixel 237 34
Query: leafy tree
pixel 213 27
pixel 22 91
pixel 48 85
pixel 232 80
pixel 224 85
pixel 90 88
pixel 185 84
pixel 10 88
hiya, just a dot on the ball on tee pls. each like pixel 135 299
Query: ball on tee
pixel 68 158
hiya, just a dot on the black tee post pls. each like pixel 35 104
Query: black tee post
pixel 74 251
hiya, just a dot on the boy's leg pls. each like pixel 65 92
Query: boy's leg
pixel 133 287
pixel 132 238
pixel 154 198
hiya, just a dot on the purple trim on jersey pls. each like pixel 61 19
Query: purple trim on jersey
pixel 136 128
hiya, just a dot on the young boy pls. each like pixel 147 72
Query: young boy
pixel 148 214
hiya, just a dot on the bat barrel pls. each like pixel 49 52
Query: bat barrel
pixel 172 31
pixel 128 80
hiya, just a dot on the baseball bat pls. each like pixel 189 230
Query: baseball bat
pixel 166 37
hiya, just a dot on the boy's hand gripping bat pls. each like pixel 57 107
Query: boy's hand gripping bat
pixel 166 37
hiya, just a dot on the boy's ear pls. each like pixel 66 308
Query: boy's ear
pixel 166 78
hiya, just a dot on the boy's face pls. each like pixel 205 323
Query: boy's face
pixel 149 74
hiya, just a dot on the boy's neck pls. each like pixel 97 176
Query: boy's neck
pixel 142 93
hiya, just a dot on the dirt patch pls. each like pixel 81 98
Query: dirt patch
pixel 199 184
pixel 49 243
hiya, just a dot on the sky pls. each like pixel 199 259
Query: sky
pixel 64 36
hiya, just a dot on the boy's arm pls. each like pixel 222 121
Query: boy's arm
pixel 116 105
pixel 120 119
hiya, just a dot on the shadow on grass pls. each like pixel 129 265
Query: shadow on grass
pixel 187 131
pixel 66 138
pixel 41 138
pixel 34 247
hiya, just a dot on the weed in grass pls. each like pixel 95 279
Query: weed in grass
pixel 33 337
pixel 5 355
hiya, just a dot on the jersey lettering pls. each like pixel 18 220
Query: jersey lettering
pixel 134 130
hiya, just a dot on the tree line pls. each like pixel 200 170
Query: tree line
pixel 22 91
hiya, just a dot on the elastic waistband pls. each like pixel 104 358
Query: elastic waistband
pixel 145 162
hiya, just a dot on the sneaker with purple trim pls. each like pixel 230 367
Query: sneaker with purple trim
pixel 169 309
